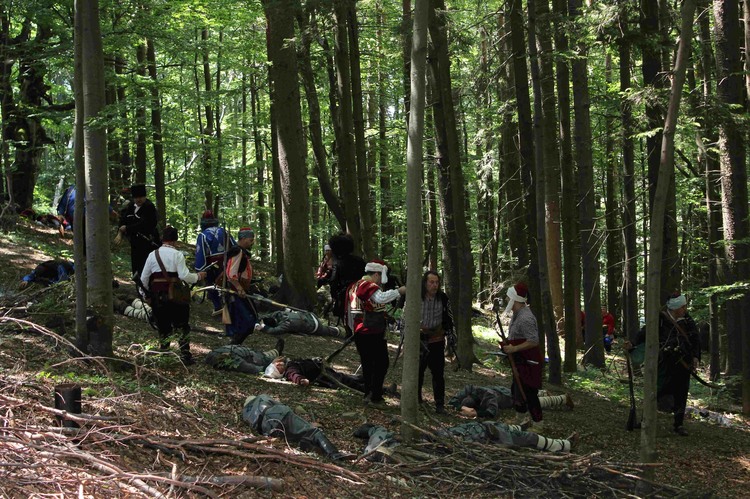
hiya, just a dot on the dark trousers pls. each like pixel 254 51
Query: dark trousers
pixel 373 354
pixel 243 320
pixel 172 317
pixel 139 251
pixel 675 383
pixel 434 358
pixel 531 403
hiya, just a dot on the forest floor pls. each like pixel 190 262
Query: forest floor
pixel 157 427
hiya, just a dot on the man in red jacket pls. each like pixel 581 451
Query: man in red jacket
pixel 366 303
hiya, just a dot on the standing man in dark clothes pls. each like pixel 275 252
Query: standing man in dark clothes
pixel 523 343
pixel 366 317
pixel 210 247
pixel 679 355
pixel 138 222
pixel 437 323
pixel 346 269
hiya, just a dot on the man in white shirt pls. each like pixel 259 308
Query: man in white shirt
pixel 169 314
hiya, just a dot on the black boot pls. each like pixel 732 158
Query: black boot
pixel 330 450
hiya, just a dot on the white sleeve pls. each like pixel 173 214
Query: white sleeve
pixel 146 273
pixel 380 296
pixel 182 271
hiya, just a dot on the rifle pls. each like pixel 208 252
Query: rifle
pixel 250 296
pixel 339 350
pixel 511 357
pixel 632 423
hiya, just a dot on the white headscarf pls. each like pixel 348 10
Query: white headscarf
pixel 677 302
pixel 272 372
pixel 378 267
pixel 512 296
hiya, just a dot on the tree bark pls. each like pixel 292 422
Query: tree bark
pixel 630 294
pixel 545 315
pixel 298 280
pixel 141 160
pixel 316 132
pixel 358 122
pixel 734 188
pixel 414 158
pixel 161 194
pixel 569 191
pixel 345 141
pixel 456 237
pixel 658 214
pixel 589 237
pixel 98 258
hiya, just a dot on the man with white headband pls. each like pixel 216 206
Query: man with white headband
pixel 679 355
pixel 523 343
pixel 366 317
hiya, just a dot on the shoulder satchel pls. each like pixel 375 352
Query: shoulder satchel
pixel 178 291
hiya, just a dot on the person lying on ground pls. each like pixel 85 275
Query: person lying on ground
pixel 243 359
pixel 271 418
pixel 289 321
pixel 486 401
pixel 49 272
pixel 382 443
pixel 313 371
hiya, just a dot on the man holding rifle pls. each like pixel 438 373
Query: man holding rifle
pixel 239 274
pixel 679 354
pixel 526 359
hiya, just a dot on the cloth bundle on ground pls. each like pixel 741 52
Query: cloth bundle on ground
pixel 274 419
pixel 138 309
pixel 50 272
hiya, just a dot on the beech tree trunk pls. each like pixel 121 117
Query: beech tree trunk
pixel 414 158
pixel 297 285
pixel 98 258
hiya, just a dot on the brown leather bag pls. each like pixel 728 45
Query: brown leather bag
pixel 178 291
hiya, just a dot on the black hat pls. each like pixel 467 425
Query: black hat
pixel 138 190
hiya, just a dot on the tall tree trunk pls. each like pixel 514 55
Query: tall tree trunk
pixel 387 229
pixel 589 237
pixel 141 160
pixel 734 187
pixel 569 191
pixel 613 239
pixel 358 122
pixel 713 182
pixel 527 150
pixel 545 316
pixel 79 242
pixel 263 225
pixel 208 131
pixel 126 166
pixel 652 48
pixel 98 259
pixel 161 194
pixel 658 214
pixel 630 322
pixel 297 285
pixel 316 132
pixel 347 162
pixel 551 159
pixel 509 157
pixel 414 158
pixel 456 237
